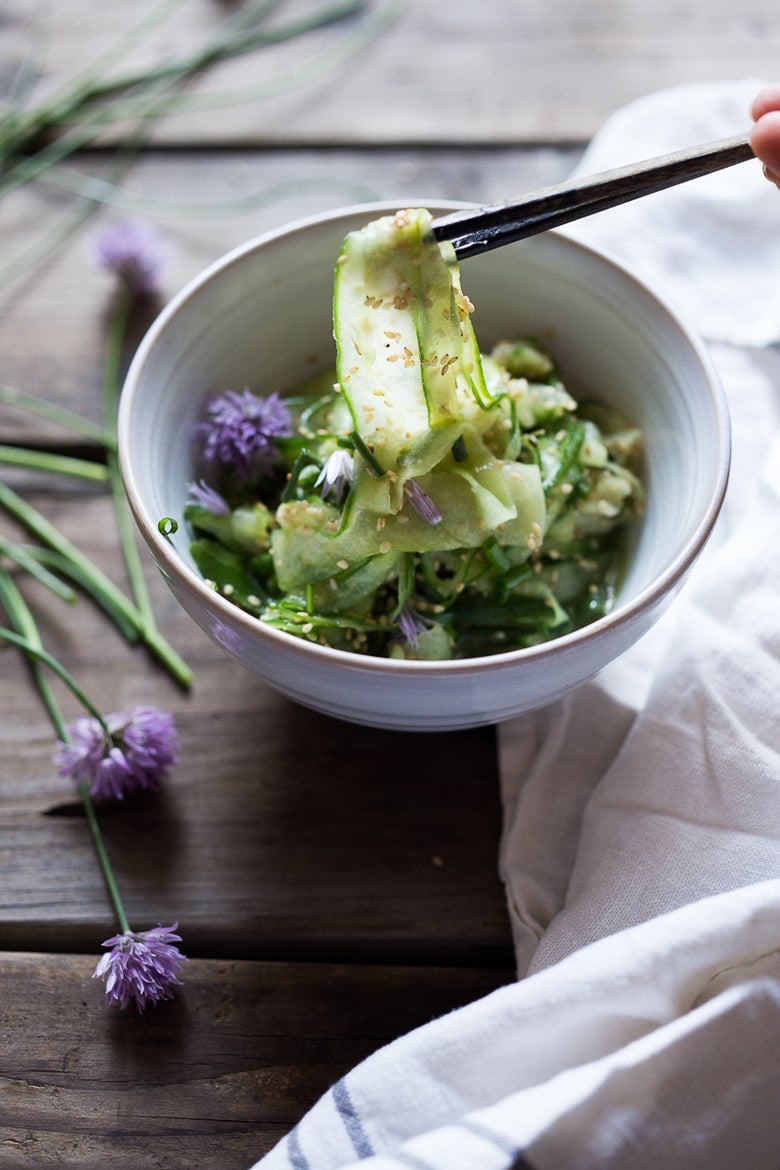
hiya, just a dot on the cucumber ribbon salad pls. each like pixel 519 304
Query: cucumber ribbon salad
pixel 425 501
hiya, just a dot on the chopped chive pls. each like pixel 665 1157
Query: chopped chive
pixel 529 450
pixel 305 459
pixel 512 579
pixel 310 415
pixel 533 614
pixel 345 574
pixel 515 441
pixel 367 455
pixel 496 555
pixel 406 575
pixel 569 450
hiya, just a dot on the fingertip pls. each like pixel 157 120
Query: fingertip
pixel 766 101
pixel 765 142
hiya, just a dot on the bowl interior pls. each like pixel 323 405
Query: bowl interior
pixel 261 318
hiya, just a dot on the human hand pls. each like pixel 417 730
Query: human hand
pixel 765 137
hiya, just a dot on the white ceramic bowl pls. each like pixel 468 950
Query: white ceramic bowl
pixel 261 317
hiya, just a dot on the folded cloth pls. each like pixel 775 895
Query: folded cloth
pixel 604 1061
pixel 682 801
pixel 641 843
pixel 708 245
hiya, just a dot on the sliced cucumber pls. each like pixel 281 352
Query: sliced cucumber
pixel 407 359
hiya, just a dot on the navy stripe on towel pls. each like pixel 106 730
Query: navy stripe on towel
pixel 295 1154
pixel 352 1123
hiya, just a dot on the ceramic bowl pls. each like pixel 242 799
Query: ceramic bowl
pixel 261 317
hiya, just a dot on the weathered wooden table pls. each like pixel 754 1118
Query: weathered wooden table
pixel 335 886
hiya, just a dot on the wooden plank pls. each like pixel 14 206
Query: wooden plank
pixel 281 833
pixel 52 316
pixel 214 1078
pixel 444 71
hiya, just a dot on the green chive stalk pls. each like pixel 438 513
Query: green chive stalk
pixel 30 644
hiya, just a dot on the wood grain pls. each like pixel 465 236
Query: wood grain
pixel 213 1078
pixel 444 71
pixel 280 833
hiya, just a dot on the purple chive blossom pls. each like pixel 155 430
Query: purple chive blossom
pixel 336 474
pixel 141 967
pixel 421 502
pixel 135 252
pixel 411 625
pixel 240 431
pixel 134 756
pixel 208 498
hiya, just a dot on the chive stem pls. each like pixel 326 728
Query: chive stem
pixel 32 647
pixel 21 618
pixel 26 560
pixel 57 464
pixel 51 536
pixel 103 858
pixel 11 396
pixel 29 641
pixel 95 581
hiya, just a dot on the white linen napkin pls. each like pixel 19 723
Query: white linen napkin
pixel 641 845
pixel 684 801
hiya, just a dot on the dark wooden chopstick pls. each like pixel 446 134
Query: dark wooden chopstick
pixel 476 230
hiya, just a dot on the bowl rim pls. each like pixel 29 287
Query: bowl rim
pixel 561 646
